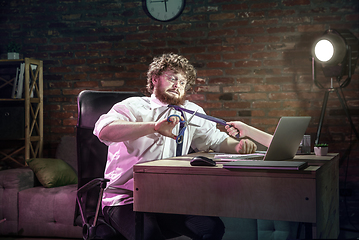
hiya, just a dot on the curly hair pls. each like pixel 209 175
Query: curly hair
pixel 174 62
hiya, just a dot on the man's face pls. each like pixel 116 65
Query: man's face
pixel 170 87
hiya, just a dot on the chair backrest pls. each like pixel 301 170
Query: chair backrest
pixel 91 153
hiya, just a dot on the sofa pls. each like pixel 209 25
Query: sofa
pixel 39 200
pixel 34 207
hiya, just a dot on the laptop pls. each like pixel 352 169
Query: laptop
pixel 284 145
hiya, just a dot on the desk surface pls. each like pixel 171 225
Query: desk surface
pixel 309 195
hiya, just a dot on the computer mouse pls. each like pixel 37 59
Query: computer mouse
pixel 202 161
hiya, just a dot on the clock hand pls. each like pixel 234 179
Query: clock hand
pixel 156 1
pixel 165 5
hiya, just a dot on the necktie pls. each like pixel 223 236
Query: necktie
pixel 201 115
pixel 179 146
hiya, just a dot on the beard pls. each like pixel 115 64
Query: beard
pixel 169 99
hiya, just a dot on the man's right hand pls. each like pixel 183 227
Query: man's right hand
pixel 165 127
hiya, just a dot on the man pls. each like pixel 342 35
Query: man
pixel 143 128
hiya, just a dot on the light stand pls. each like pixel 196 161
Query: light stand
pixel 338 69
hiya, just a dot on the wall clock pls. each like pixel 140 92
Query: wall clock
pixel 163 10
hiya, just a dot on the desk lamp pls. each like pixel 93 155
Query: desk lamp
pixel 337 53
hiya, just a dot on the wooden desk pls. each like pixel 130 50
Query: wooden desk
pixel 310 196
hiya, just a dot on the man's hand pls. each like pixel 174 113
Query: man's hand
pixel 246 146
pixel 165 127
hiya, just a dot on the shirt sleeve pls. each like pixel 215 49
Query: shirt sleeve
pixel 120 111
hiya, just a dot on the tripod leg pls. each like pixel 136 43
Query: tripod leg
pixel 347 113
pixel 324 106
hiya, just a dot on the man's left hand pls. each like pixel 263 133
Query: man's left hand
pixel 246 146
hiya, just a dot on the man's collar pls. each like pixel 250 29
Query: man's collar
pixel 156 103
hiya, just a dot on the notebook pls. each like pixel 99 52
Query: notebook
pixel 284 145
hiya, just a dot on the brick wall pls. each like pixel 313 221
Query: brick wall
pixel 252 57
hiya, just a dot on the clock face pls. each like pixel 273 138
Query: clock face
pixel 164 10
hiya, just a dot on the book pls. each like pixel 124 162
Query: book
pixel 21 81
pixel 15 85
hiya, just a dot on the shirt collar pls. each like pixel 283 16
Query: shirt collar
pixel 156 103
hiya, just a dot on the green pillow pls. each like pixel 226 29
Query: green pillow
pixel 52 172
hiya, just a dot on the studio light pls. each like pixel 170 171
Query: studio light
pixel 337 53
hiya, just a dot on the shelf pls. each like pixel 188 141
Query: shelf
pixel 32 107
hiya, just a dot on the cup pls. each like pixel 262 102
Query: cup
pixel 305 143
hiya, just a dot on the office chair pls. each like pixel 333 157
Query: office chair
pixel 91 160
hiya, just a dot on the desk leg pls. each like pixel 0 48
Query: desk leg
pixel 310 230
pixel 139 225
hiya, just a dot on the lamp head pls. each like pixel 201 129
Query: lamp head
pixel 336 50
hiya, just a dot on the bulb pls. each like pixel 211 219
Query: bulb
pixel 324 50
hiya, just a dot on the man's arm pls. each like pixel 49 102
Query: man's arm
pixel 230 145
pixel 120 130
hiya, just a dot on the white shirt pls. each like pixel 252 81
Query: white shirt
pixel 123 155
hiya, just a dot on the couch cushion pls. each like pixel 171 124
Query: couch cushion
pixel 67 151
pixel 277 230
pixel 48 212
pixel 52 172
pixel 11 182
pixel 240 228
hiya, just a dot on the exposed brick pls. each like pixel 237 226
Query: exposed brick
pixel 252 58
pixel 62 130
pixel 219 64
pixel 73 92
pixel 265 22
pixel 59 69
pixel 70 122
pixel 206 73
pixel 207 89
pixel 233 56
pixel 267 88
pixel 248 63
pixel 86 84
pixel 98 61
pixel 115 83
pixel 222 16
pixel 236 105
pixel 221 81
pixel 237 72
pixel 257 14
pixel 223 113
pixel 234 7
pixel 211 105
pixel 253 96
pixel 266 104
pixel 75 76
pixel 73 61
pixel 61 115
pixel 270 5
pixel 195 97
pixel 311 28
pixel 207 57
pixel 235 23
pixel 222 32
pixel 281 13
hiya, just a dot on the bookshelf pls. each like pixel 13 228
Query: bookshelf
pixel 21 128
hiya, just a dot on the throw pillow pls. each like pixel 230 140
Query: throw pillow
pixel 52 172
